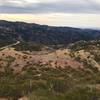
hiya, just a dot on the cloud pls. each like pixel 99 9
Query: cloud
pixel 49 6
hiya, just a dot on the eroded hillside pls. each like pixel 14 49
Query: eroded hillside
pixel 42 72
pixel 79 55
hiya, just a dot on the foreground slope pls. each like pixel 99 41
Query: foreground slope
pixel 71 73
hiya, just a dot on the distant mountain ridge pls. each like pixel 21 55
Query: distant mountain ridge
pixel 43 34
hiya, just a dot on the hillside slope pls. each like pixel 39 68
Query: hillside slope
pixel 20 31
pixel 72 73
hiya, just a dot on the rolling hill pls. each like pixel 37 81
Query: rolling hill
pixel 39 62
pixel 43 34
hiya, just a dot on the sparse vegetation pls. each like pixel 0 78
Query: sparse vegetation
pixel 24 46
pixel 43 82
pixel 58 84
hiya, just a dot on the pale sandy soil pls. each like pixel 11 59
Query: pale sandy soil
pixel 59 58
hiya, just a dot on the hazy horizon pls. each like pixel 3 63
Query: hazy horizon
pixel 72 13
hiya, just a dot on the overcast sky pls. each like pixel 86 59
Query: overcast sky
pixel 77 13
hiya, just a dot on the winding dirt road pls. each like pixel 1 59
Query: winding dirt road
pixel 10 45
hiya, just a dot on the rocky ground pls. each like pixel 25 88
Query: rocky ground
pixel 75 69
pixel 60 58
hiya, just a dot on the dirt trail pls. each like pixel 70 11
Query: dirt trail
pixel 10 45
